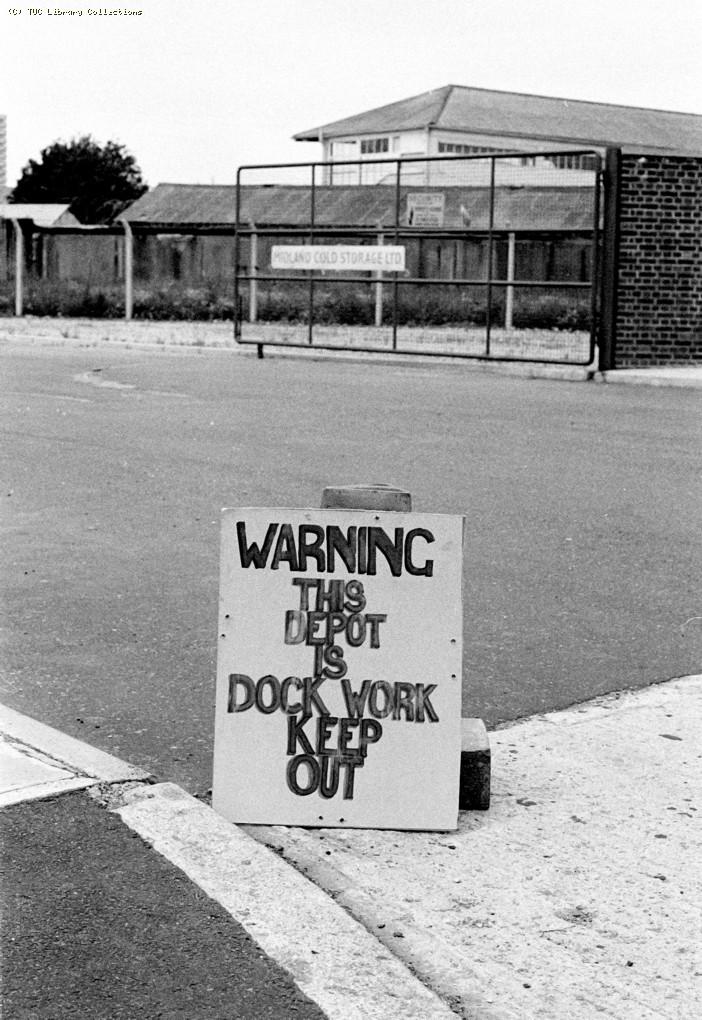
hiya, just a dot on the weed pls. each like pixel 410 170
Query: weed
pixel 288 302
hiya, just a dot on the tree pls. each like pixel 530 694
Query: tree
pixel 98 182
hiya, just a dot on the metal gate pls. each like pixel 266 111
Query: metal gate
pixel 488 256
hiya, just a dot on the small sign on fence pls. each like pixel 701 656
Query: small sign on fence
pixel 386 258
pixel 338 696
pixel 425 209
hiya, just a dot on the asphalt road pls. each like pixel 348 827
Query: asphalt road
pixel 582 501
pixel 110 929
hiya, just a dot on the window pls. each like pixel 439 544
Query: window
pixel 342 150
pixel 469 150
pixel 570 162
pixel 369 145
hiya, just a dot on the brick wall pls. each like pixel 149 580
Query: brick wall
pixel 659 292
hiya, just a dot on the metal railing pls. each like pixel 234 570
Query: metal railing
pixel 491 300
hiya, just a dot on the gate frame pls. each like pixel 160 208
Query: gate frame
pixel 596 284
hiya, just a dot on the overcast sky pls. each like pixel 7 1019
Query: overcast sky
pixel 195 88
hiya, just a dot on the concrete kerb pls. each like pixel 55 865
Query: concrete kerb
pixel 520 369
pixel 687 377
pixel 576 895
pixel 333 959
pixel 39 761
pixel 216 337
pixel 681 376
pixel 331 956
pixel 134 338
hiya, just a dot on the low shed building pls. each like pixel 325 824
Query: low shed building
pixel 553 226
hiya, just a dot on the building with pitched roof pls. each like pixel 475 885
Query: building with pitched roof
pixel 457 120
pixel 193 206
pixel 43 214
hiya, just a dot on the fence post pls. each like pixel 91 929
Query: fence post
pixel 128 271
pixel 509 298
pixel 253 272
pixel 379 290
pixel 475 764
pixel 19 268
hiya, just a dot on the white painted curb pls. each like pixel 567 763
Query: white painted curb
pixel 77 755
pixel 27 775
pixel 38 761
pixel 577 895
pixel 331 957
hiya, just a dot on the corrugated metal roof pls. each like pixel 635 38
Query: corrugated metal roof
pixel 511 114
pixel 519 208
pixel 184 203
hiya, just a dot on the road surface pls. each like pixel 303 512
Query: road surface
pixel 582 560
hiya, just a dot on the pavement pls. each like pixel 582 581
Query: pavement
pixel 577 894
pixel 688 376
pixel 685 376
pixel 184 337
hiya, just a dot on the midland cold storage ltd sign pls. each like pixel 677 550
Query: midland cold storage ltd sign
pixel 338 697
pixel 341 257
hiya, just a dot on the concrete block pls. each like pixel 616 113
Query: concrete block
pixel 374 496
pixel 474 783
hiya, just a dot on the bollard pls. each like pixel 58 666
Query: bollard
pixel 474 781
